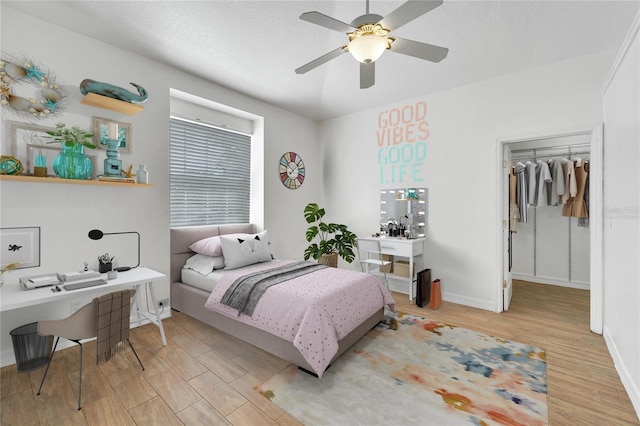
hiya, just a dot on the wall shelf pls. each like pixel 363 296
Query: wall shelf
pixel 99 101
pixel 36 179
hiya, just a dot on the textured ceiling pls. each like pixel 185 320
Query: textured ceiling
pixel 254 47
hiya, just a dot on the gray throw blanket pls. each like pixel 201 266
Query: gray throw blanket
pixel 244 293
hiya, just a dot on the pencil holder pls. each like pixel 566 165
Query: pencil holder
pixel 105 267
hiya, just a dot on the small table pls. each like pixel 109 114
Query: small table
pixel 403 247
pixel 14 297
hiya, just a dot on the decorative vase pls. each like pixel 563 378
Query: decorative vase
pixel 330 259
pixel 10 165
pixel 142 175
pixel 40 168
pixel 71 163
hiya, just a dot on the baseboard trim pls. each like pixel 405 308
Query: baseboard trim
pixel 447 297
pixel 627 381
pixel 487 305
pixel 582 285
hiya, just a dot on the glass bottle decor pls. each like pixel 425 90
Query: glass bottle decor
pixel 142 175
pixel 71 163
pixel 40 168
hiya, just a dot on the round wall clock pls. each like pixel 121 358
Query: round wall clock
pixel 291 170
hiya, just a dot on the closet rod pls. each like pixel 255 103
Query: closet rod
pixel 547 148
pixel 557 154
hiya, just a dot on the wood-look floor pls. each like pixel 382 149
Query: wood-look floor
pixel 206 377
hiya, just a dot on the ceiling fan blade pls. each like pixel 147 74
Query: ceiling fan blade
pixel 407 12
pixel 326 21
pixel 367 74
pixel 321 60
pixel 420 50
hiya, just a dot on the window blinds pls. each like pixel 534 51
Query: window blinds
pixel 210 171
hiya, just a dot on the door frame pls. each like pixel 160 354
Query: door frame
pixel 595 214
pixel 507 243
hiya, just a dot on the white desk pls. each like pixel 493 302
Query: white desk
pixel 410 248
pixel 13 297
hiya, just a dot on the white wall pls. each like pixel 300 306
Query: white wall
pixel 66 213
pixel 561 254
pixel 460 164
pixel 621 105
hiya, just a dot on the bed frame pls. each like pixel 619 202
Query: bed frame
pixel 190 300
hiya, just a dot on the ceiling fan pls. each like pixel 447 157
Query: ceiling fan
pixel 369 38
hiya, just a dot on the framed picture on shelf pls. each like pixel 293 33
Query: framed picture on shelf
pixel 101 133
pixel 20 245
pixel 21 136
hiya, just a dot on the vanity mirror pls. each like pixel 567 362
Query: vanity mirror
pixel 403 212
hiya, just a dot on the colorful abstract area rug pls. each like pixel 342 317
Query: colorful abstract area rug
pixel 410 370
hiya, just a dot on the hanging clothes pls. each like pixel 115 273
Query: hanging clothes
pixel 570 185
pixel 584 221
pixel 521 190
pixel 555 189
pixel 514 213
pixel 543 176
pixel 576 206
pixel 531 182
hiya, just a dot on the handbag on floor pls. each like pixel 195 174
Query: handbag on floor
pixel 436 295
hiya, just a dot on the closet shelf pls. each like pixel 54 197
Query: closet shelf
pixel 99 101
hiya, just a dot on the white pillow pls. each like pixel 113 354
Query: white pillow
pixel 241 251
pixel 204 264
pixel 218 262
pixel 211 246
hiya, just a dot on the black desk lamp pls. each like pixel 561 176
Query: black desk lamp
pixel 96 234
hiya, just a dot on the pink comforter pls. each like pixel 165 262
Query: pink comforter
pixel 313 311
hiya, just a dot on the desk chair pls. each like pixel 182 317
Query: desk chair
pixel 370 254
pixel 83 324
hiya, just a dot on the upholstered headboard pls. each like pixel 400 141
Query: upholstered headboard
pixel 182 238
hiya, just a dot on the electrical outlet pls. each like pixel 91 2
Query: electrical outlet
pixel 163 303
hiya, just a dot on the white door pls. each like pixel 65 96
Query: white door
pixel 507 287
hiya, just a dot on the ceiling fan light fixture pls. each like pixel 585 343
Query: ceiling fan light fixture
pixel 368 38
pixel 368 48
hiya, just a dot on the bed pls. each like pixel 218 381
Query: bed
pixel 191 300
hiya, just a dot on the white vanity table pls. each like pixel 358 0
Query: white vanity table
pixel 413 249
pixel 403 206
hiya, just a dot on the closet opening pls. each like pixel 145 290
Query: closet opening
pixel 547 209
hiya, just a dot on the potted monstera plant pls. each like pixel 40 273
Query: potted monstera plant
pixel 332 239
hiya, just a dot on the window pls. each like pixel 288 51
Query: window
pixel 210 174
